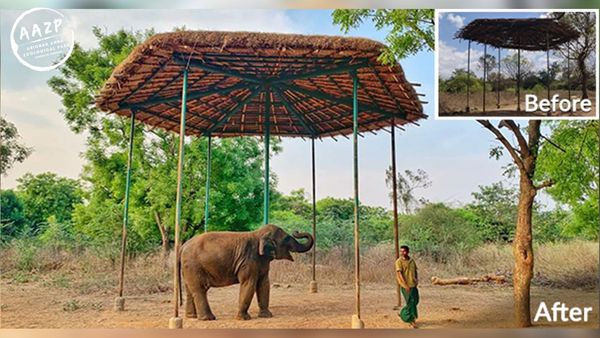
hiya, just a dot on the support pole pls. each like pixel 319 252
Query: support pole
pixel 498 82
pixel 176 322
pixel 569 69
pixel 357 323
pixel 207 193
pixel 519 79
pixel 120 301
pixel 313 283
pixel 548 80
pixel 484 72
pixel 468 76
pixel 267 145
pixel 395 210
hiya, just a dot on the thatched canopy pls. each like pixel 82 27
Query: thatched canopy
pixel 231 73
pixel 527 34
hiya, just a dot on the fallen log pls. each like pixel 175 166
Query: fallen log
pixel 498 279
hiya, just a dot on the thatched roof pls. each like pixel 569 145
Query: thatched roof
pixel 527 34
pixel 228 74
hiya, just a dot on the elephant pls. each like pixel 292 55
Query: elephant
pixel 223 258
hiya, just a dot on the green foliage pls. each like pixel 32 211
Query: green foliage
pixel 494 211
pixel 11 150
pixel 236 178
pixel 45 195
pixel 574 170
pixel 57 235
pixel 458 81
pixel 409 31
pixel 439 232
pixel 12 218
pixel 335 220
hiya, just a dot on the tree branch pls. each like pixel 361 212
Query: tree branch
pixel 523 146
pixel 513 152
pixel 545 184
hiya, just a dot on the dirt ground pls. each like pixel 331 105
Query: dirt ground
pixel 453 104
pixel 32 305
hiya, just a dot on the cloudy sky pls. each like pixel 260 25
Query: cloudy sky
pixel 454 153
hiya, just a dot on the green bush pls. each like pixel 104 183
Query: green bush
pixel 439 232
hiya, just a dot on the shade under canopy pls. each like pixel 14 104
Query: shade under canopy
pixel 527 34
pixel 231 73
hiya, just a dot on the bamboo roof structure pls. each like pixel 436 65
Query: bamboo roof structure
pixel 307 77
pixel 522 33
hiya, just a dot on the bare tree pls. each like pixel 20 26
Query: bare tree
pixel 406 186
pixel 524 154
pixel 581 51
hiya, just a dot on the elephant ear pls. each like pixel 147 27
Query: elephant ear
pixel 265 246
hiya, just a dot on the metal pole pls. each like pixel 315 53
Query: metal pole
pixel 207 194
pixel 498 82
pixel 356 321
pixel 484 72
pixel 395 209
pixel 120 301
pixel 519 79
pixel 177 322
pixel 313 284
pixel 468 75
pixel 548 66
pixel 569 69
pixel 267 142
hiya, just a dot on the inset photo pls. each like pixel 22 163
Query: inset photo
pixel 500 64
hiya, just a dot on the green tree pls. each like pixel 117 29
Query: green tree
pixel 524 155
pixel 495 208
pixel 12 219
pixel 236 180
pixel 571 161
pixel 439 231
pixel 45 195
pixel 459 81
pixel 11 150
pixel 409 31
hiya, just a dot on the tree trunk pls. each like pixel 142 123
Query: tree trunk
pixel 523 253
pixel 164 236
pixel 584 77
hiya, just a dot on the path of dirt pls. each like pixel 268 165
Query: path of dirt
pixel 31 305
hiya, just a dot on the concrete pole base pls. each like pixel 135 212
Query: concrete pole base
pixel 313 287
pixel 176 323
pixel 119 304
pixel 357 323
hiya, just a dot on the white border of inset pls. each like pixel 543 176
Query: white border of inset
pixel 436 106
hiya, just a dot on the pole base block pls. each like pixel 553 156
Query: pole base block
pixel 175 323
pixel 313 287
pixel 119 304
pixel 357 323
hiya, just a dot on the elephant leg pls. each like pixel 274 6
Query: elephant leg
pixel 190 307
pixel 247 290
pixel 200 301
pixel 263 289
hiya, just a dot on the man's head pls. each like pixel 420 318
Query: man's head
pixel 404 250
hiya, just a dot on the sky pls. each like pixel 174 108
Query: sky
pixel 455 154
pixel 453 52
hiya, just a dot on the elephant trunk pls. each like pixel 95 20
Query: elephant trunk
pixel 299 247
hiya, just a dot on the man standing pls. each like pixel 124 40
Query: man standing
pixel 406 275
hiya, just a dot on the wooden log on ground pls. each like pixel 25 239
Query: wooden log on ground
pixel 498 279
